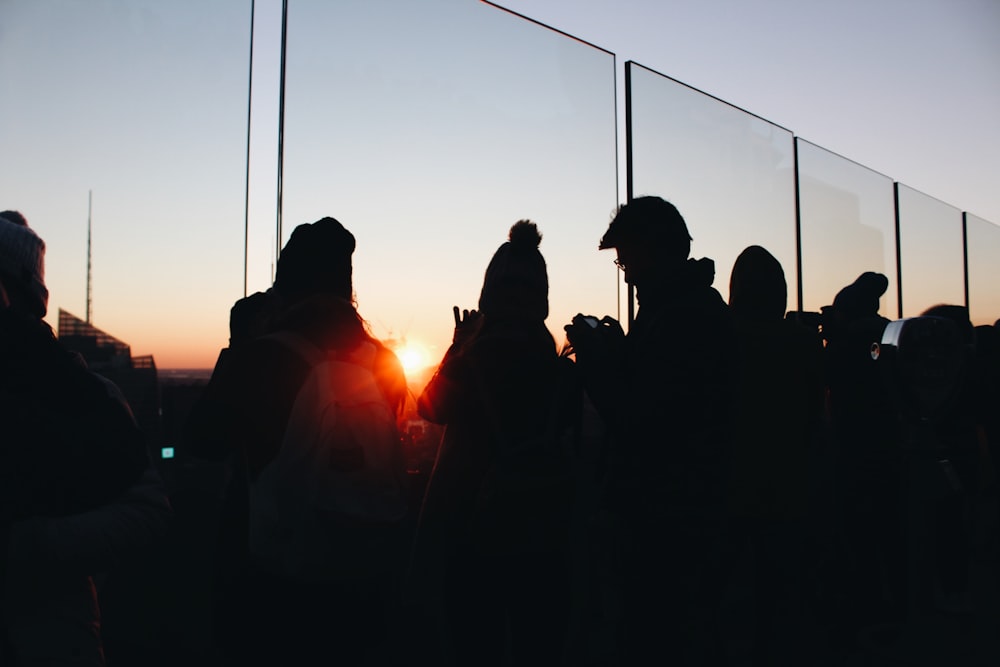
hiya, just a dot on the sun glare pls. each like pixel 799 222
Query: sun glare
pixel 413 357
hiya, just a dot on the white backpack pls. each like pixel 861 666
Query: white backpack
pixel 331 500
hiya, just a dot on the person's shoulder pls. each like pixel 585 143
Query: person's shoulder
pixel 260 362
pixel 385 358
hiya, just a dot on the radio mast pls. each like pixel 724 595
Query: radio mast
pixel 90 201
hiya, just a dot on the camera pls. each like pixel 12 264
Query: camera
pixel 592 321
pixel 809 319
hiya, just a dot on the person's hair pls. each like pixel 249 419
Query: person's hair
pixel 338 325
pixel 649 220
pixel 14 216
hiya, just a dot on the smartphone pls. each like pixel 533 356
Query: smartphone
pixel 592 321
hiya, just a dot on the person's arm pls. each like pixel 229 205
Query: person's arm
pixel 207 433
pixel 598 350
pixel 96 540
pixel 437 402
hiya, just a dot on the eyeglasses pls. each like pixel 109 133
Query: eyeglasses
pixel 620 264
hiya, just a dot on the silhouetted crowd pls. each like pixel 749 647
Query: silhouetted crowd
pixel 724 484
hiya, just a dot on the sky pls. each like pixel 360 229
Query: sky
pixel 909 88
pixel 429 128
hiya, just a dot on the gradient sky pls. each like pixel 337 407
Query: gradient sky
pixel 909 88
pixel 428 128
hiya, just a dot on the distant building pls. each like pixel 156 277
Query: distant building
pixel 112 358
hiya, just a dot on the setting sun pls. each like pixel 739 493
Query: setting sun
pixel 413 357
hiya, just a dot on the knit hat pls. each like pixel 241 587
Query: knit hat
pixel 757 287
pixel 861 298
pixel 22 259
pixel 316 260
pixel 516 284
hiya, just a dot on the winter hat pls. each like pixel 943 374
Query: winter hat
pixel 516 284
pixel 316 260
pixel 860 298
pixel 757 287
pixel 22 259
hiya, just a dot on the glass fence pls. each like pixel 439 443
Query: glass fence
pixel 729 173
pixel 847 225
pixel 982 242
pixel 429 135
pixel 428 129
pixel 932 261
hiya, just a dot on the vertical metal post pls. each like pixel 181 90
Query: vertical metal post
pixel 629 171
pixel 246 200
pixel 90 206
pixel 798 225
pixel 281 123
pixel 618 290
pixel 965 259
pixel 899 252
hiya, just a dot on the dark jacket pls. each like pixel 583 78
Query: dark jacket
pixel 676 400
pixel 69 449
pixel 781 394
pixel 68 446
pixel 495 392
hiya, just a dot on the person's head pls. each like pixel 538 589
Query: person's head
pixel 516 284
pixel 860 299
pixel 22 266
pixel 316 260
pixel 650 236
pixel 957 314
pixel 757 287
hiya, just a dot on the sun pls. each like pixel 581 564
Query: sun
pixel 413 356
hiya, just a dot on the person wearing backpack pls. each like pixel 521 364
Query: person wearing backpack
pixel 496 514
pixel 304 404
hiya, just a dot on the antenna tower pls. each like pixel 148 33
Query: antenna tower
pixel 90 201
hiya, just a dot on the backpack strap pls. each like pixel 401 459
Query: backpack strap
pixel 363 355
pixel 300 344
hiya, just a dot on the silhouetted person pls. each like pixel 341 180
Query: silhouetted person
pixel 955 434
pixel 495 520
pixel 289 609
pixel 987 403
pixel 667 391
pixel 870 471
pixel 68 449
pixel 988 360
pixel 780 413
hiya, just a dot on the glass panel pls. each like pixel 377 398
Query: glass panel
pixel 847 226
pixel 428 129
pixel 729 173
pixel 262 227
pixel 143 103
pixel 932 260
pixel 983 246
